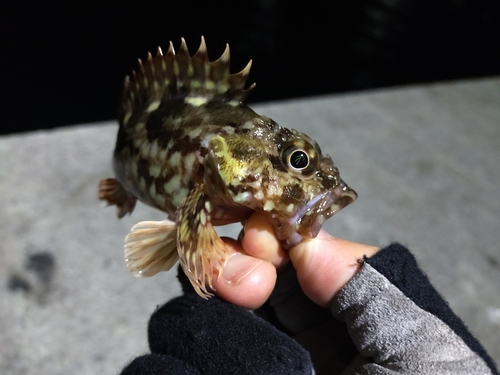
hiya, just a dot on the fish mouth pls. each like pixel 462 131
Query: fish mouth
pixel 309 219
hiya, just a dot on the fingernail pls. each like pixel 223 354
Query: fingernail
pixel 238 267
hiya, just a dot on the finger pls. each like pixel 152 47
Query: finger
pixel 325 264
pixel 260 242
pixel 245 281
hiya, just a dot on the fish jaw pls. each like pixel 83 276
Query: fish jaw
pixel 307 221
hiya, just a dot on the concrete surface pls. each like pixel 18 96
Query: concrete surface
pixel 424 160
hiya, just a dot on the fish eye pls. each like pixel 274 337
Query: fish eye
pixel 299 158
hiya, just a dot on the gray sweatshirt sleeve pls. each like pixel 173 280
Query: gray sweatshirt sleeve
pixel 396 335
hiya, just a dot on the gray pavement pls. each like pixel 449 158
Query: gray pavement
pixel 424 160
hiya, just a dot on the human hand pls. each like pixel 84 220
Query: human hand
pixel 197 327
pixel 324 265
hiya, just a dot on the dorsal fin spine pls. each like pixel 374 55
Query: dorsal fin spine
pixel 168 75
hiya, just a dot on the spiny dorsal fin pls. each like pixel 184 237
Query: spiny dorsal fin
pixel 173 75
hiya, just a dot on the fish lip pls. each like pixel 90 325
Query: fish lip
pixel 310 218
pixel 341 196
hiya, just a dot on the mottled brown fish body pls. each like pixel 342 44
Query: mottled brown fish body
pixel 159 161
pixel 188 145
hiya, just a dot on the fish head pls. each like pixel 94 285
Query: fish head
pixel 312 190
pixel 278 170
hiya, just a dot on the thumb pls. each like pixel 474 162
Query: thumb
pixel 325 264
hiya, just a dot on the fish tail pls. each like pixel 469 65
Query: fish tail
pixel 113 193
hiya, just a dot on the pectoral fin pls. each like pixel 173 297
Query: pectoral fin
pixel 201 251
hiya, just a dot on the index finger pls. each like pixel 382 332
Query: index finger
pixel 260 242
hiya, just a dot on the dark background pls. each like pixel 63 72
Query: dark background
pixel 63 63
